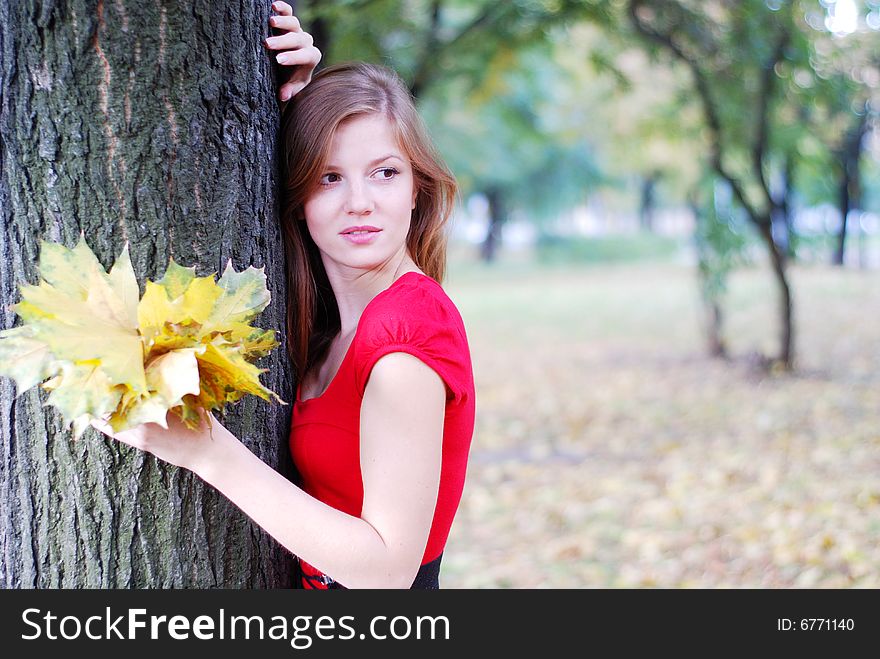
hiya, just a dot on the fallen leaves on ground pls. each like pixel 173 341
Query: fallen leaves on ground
pixel 610 452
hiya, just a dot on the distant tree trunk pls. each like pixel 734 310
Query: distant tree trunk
pixel 714 325
pixel 430 51
pixel 709 286
pixel 781 209
pixel 320 31
pixel 778 263
pixel 497 216
pixel 647 201
pixel 153 123
pixel 849 190
pixel 318 26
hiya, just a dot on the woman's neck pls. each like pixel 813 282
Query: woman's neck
pixel 354 289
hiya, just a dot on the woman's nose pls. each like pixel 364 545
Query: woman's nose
pixel 359 201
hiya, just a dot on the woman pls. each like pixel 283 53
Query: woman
pixel 384 412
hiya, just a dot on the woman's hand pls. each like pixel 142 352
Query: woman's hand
pixel 296 50
pixel 178 445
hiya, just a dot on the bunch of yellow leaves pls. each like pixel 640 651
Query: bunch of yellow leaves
pixel 186 344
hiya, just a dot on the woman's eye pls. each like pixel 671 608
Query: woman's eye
pixel 387 173
pixel 329 179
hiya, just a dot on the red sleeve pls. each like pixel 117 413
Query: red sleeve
pixel 421 323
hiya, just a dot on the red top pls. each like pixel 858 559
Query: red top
pixel 413 315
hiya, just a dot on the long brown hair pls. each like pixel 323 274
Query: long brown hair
pixel 335 94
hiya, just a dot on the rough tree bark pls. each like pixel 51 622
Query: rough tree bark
pixel 153 123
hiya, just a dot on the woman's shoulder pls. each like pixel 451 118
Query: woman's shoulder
pixel 414 301
pixel 415 315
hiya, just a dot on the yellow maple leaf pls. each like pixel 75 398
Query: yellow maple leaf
pixel 103 352
pixel 244 296
pixel 175 374
pixel 83 389
pixel 26 359
pixel 71 327
pixel 178 298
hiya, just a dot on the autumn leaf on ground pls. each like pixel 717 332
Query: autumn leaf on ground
pixel 104 352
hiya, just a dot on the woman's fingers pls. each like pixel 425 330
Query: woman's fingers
pixel 290 89
pixel 289 41
pixel 302 56
pixel 125 436
pixel 283 8
pixel 297 50
pixel 303 62
pixel 290 23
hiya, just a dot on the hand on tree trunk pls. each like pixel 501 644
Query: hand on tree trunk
pixel 297 50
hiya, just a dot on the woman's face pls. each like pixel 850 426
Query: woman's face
pixel 368 182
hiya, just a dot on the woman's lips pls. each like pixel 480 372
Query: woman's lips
pixel 361 237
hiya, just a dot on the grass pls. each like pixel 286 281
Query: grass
pixel 640 246
pixel 609 451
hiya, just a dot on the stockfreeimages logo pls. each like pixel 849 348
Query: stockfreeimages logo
pixel 299 631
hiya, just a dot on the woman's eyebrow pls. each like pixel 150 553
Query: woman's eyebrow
pixel 372 163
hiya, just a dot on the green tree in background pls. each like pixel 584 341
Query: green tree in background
pixel 432 41
pixel 739 96
pixel 508 140
pixel 744 59
pixel 835 98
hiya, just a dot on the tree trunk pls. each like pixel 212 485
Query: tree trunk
pixel 427 60
pixel 779 223
pixel 785 358
pixel 782 211
pixel 647 201
pixel 497 215
pixel 153 123
pixel 849 190
pixel 318 26
pixel 710 280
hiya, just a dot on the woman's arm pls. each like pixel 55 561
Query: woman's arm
pixel 401 436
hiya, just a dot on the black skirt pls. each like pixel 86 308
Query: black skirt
pixel 427 578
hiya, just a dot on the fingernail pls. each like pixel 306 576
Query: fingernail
pixel 285 96
pixel 281 58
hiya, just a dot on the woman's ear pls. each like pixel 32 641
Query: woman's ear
pixel 415 194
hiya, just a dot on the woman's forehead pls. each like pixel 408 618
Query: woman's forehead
pixel 364 138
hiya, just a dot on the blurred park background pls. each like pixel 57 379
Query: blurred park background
pixel 667 257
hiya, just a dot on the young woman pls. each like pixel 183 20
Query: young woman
pixel 384 411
